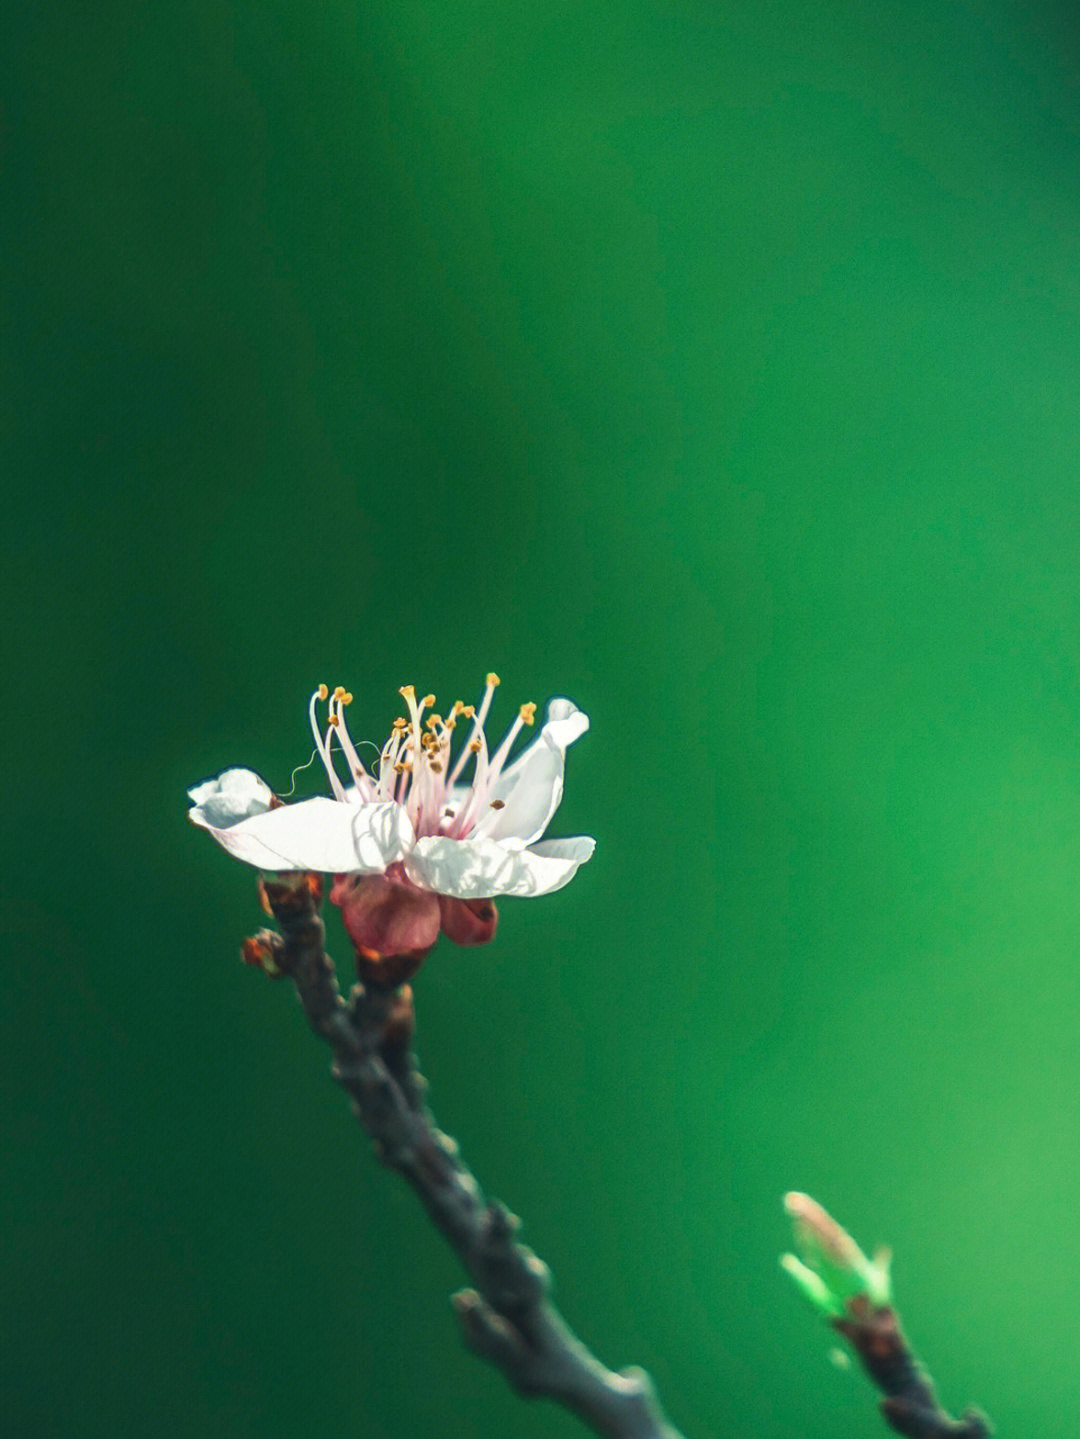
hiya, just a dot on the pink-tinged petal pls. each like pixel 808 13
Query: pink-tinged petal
pixel 385 915
pixel 531 789
pixel 483 868
pixel 320 834
pixel 467 921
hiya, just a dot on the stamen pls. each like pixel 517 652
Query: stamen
pixel 498 759
pixel 478 718
pixel 365 784
pixel 487 775
pixel 323 746
pixel 417 796
pixel 466 815
pixel 387 762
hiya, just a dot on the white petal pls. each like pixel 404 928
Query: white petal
pixel 579 848
pixel 232 796
pixel 320 834
pixel 565 722
pixel 483 868
pixel 531 789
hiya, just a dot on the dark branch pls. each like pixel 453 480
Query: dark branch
pixel 910 1405
pixel 508 1318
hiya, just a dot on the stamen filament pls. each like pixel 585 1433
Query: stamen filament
pixel 498 759
pixel 467 813
pixel 324 747
pixel 364 782
pixel 478 717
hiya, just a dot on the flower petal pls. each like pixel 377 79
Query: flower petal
pixel 234 795
pixel 483 868
pixel 320 834
pixel 531 789
pixel 578 848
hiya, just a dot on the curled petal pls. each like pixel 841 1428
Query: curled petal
pixel 565 723
pixel 531 788
pixel 319 834
pixel 484 868
pixel 235 795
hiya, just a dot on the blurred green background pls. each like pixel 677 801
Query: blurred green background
pixel 716 365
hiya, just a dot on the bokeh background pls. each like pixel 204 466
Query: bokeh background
pixel 716 365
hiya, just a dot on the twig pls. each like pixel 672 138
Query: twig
pixel 508 1317
pixel 910 1405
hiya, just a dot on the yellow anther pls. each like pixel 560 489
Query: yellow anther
pixel 433 721
pixel 528 712
pixel 498 804
pixel 346 698
pixel 427 702
pixel 322 692
pixel 468 711
pixel 334 720
pixel 492 680
pixel 476 746
pixel 408 691
pixel 450 724
pixel 458 706
pixel 401 722
pixel 339 692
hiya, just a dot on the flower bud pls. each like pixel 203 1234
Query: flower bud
pixel 833 1269
pixel 260 952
